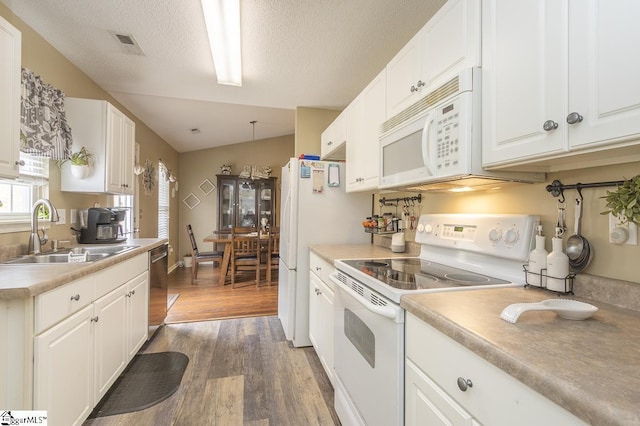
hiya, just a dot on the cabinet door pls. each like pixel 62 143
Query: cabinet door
pixel 266 199
pixel 404 76
pixel 315 312
pixel 452 41
pixel 604 82
pixel 524 62
pixel 226 203
pixel 137 313
pixel 426 404
pixel 246 206
pixel 63 369
pixel 110 340
pixel 127 156
pixel 10 62
pixel 363 147
pixel 333 139
pixel 114 140
pixel 326 329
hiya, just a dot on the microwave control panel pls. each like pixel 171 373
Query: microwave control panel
pixel 447 132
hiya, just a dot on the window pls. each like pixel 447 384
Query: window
pixel 163 201
pixel 18 195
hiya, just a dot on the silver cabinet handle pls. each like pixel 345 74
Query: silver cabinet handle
pixel 549 125
pixel 464 384
pixel 420 84
pixel 318 268
pixel 76 297
pixel 133 292
pixel 330 143
pixel 574 118
pixel 20 163
pixel 414 89
pixel 95 319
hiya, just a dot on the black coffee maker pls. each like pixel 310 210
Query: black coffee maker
pixel 103 226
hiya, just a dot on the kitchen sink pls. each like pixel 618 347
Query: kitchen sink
pixel 72 255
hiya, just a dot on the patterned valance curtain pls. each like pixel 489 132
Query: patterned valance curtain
pixel 43 125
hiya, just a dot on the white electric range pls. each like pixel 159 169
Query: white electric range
pixel 458 253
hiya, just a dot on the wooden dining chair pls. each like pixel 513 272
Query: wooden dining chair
pixel 273 251
pixel 199 256
pixel 245 256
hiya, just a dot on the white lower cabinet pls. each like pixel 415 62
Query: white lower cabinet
pixel 437 369
pixel 63 375
pixel 78 358
pixel 321 312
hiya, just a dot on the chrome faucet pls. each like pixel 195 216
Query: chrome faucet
pixel 35 241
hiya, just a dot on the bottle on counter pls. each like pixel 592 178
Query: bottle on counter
pixel 538 261
pixel 557 264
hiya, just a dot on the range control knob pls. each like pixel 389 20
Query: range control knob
pixel 495 235
pixel 428 228
pixel 511 236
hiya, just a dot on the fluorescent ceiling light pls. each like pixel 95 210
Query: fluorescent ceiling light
pixel 222 18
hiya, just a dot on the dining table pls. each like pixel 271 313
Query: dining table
pixel 226 238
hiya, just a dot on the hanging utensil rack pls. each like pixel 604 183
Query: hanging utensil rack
pixel 557 188
pixel 393 202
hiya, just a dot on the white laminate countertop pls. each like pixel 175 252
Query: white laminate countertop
pixel 20 281
pixel 589 367
pixel 331 252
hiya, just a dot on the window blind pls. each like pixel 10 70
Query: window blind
pixel 163 202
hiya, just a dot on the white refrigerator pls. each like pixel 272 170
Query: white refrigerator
pixel 314 209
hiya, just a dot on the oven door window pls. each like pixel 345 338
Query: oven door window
pixel 361 336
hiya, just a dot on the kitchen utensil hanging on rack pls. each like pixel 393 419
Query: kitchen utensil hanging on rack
pixel 561 224
pixel 579 250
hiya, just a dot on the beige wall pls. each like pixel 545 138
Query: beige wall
pixel 196 166
pixel 310 123
pixel 610 260
pixel 55 69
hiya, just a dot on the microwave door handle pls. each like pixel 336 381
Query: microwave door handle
pixel 426 144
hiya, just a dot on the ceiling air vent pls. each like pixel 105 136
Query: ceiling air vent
pixel 127 43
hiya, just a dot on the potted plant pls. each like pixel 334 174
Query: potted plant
pixel 81 162
pixel 624 202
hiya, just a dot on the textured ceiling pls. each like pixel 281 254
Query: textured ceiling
pixel 295 53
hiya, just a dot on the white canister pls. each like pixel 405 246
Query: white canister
pixel 397 242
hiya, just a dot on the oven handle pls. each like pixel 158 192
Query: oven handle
pixel 385 311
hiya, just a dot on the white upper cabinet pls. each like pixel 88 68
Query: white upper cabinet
pixel 558 81
pixel 449 42
pixel 110 136
pixel 404 76
pixel 10 63
pixel 452 41
pixel 334 138
pixel 365 116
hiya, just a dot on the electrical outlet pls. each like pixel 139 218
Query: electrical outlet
pixel 622 233
pixel 73 216
pixel 62 217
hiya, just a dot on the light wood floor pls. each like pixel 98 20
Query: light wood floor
pixel 241 371
pixel 207 300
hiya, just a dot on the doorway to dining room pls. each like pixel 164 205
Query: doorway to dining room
pixel 208 300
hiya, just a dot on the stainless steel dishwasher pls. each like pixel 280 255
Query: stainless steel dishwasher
pixel 158 287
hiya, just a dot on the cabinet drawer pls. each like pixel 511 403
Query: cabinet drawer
pixel 57 304
pixel 321 268
pixel 496 398
pixel 111 278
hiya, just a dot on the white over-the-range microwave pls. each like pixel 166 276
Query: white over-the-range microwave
pixel 438 140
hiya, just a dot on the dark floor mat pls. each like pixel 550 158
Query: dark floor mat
pixel 149 379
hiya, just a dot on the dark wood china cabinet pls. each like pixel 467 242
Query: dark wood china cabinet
pixel 245 202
